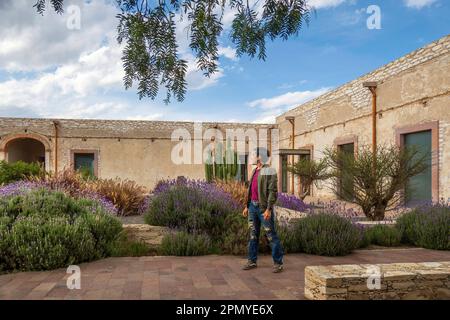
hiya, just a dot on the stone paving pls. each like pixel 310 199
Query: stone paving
pixel 206 277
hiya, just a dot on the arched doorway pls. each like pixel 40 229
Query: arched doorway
pixel 26 149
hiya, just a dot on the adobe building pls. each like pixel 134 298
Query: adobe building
pixel 412 106
pixel 137 150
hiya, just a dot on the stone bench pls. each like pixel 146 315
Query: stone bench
pixel 406 281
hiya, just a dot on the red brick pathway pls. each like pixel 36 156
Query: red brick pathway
pixel 208 277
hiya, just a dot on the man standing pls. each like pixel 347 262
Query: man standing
pixel 261 197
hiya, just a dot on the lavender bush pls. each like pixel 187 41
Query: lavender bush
pixel 426 226
pixel 176 204
pixel 326 234
pixel 23 187
pixel 291 202
pixel 338 208
pixel 198 208
pixel 43 229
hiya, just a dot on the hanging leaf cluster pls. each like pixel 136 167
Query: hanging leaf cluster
pixel 151 56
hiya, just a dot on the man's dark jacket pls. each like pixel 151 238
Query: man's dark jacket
pixel 267 188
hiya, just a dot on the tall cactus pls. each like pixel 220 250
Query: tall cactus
pixel 209 170
pixel 227 168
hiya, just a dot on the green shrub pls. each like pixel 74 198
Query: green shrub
pixel 288 238
pixel 86 173
pixel 43 230
pixel 125 247
pixel 326 234
pixel 235 237
pixel 427 227
pixel 185 244
pixel 202 208
pixel 19 170
pixel 383 235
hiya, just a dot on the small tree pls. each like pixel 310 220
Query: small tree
pixel 310 172
pixel 378 179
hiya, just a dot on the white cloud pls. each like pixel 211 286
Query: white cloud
pixel 51 71
pixel 288 99
pixel 418 4
pixel 31 42
pixel 195 78
pixel 321 4
pixel 228 52
pixel 147 117
pixel 270 108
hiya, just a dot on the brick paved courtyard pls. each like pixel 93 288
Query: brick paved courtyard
pixel 207 277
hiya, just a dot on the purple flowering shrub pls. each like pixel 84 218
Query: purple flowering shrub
pixel 291 202
pixel 426 226
pixel 325 234
pixel 42 229
pixel 338 208
pixel 23 187
pixel 198 208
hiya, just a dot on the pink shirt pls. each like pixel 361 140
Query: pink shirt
pixel 254 186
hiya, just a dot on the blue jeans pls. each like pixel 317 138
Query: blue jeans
pixel 255 219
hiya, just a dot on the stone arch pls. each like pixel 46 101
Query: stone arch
pixel 13 136
pixel 13 139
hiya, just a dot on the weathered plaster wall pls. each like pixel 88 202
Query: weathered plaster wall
pixel 412 90
pixel 136 150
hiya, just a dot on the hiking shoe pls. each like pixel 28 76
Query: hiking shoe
pixel 277 268
pixel 249 265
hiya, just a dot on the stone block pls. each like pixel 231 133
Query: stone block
pixel 151 235
pixel 407 281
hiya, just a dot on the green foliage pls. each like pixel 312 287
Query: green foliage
pixel 10 172
pixel 325 234
pixel 426 227
pixel 309 171
pixel 235 237
pixel 56 4
pixel 378 179
pixel 148 28
pixel 44 230
pixel 193 209
pixel 125 247
pixel 86 173
pixel 185 244
pixel 288 238
pixel 225 165
pixel 383 235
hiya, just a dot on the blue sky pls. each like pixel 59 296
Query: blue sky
pixel 47 70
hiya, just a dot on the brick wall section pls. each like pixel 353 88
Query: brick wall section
pixel 359 96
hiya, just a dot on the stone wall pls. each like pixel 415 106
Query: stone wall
pixel 406 281
pixel 412 90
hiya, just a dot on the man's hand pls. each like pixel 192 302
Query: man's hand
pixel 245 212
pixel 267 214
